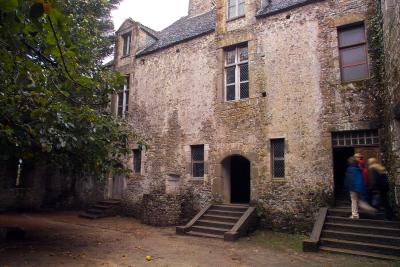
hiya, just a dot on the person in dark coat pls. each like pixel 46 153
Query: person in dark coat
pixel 379 187
pixel 355 184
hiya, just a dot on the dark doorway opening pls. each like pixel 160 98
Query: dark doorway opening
pixel 240 180
pixel 340 156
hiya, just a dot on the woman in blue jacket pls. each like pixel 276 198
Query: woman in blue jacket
pixel 355 183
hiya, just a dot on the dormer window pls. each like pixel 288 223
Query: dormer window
pixel 235 8
pixel 126 50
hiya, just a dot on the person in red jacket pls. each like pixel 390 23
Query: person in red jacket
pixel 360 159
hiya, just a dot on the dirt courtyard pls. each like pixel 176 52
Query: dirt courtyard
pixel 64 239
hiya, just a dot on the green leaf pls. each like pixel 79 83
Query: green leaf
pixel 8 5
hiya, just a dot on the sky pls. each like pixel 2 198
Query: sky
pixel 156 14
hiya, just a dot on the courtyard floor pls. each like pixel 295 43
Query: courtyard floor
pixel 64 239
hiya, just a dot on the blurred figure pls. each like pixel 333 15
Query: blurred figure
pixel 355 184
pixel 364 170
pixel 379 187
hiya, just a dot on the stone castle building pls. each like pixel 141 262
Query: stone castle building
pixel 258 101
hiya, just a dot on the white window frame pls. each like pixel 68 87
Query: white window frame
pixel 236 5
pixel 125 104
pixel 237 65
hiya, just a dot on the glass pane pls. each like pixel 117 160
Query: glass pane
pixel 230 57
pixel 279 168
pixel 137 160
pixel 230 92
pixel 244 90
pixel 231 12
pixel 198 169
pixel 353 55
pixel 241 10
pixel 243 54
pixel 230 75
pixel 198 153
pixel 352 36
pixel 120 99
pixel 127 100
pixel 244 72
pixel 241 2
pixel 355 73
pixel 231 3
pixel 119 111
pixel 278 148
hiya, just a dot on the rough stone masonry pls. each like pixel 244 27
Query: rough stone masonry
pixel 178 99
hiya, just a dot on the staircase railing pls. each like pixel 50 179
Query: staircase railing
pixel 312 244
pixel 181 230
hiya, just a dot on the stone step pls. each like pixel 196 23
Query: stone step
pixel 204 235
pixel 236 214
pixel 350 236
pixel 216 224
pixel 365 222
pixel 359 253
pixel 110 202
pixel 102 206
pixel 219 218
pixel 208 230
pixel 361 246
pixel 349 227
pixel 346 212
pixel 95 211
pixel 226 207
pixel 90 216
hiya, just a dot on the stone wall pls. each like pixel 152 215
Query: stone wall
pixel 296 93
pixel 160 209
pixel 391 19
pixel 197 7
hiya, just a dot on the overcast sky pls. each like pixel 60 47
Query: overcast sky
pixel 156 14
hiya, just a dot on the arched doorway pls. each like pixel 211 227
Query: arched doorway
pixel 236 176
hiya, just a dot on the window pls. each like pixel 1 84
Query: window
pixel 278 158
pixel 123 100
pixel 353 53
pixel 137 161
pixel 197 160
pixel 356 138
pixel 127 44
pixel 236 73
pixel 235 8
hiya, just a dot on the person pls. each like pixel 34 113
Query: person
pixel 356 187
pixel 360 159
pixel 379 187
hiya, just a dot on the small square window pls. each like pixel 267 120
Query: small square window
pixel 236 8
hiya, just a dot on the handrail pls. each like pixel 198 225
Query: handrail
pixel 311 244
pixel 235 232
pixel 186 228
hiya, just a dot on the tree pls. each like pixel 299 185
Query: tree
pixel 54 90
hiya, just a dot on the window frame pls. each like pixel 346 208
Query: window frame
pixel 237 64
pixel 236 5
pixel 193 162
pixel 360 44
pixel 126 44
pixel 125 99
pixel 274 158
pixel 137 152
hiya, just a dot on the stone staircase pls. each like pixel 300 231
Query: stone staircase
pixel 368 236
pixel 101 209
pixel 224 221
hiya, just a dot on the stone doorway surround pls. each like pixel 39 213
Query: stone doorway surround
pixel 222 187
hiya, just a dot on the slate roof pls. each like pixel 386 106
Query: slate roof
pixel 275 6
pixel 184 29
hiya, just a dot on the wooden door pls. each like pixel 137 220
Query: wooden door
pixel 118 186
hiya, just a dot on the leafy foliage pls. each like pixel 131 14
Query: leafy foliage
pixel 54 90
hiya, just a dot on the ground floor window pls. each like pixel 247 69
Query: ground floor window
pixel 137 161
pixel 197 152
pixel 278 158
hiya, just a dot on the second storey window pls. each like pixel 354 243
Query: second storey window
pixel 236 73
pixel 353 53
pixel 126 49
pixel 235 8
pixel 278 158
pixel 123 100
pixel 137 161
pixel 197 161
